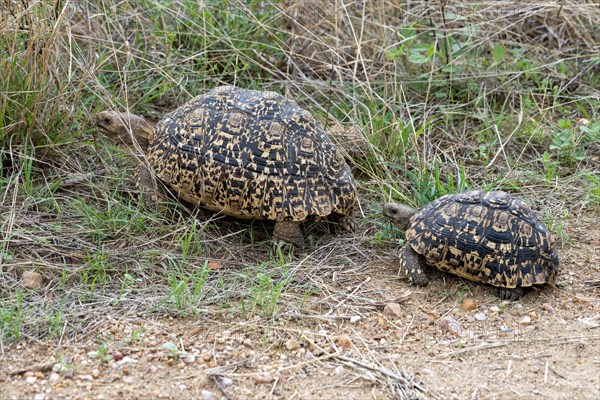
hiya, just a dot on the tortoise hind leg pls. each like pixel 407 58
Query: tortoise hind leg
pixel 511 294
pixel 288 234
pixel 414 266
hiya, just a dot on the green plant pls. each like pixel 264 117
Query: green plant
pixel 95 271
pixel 62 365
pixel 35 113
pixel 266 290
pixel 126 282
pixel 114 219
pixel 173 351
pixel 593 194
pixel 101 354
pixel 189 243
pixel 431 183
pixel 461 291
pixel 186 287
pixel 550 167
pixel 565 143
pixel 11 317
pixel 56 321
pixel 136 336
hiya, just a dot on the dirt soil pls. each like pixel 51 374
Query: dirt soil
pixel 362 346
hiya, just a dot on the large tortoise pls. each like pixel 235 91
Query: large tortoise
pixel 489 237
pixel 244 153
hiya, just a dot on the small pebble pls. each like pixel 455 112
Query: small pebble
pixel 309 356
pixel 129 379
pixel 31 380
pixel 468 304
pixel 339 370
pixel 548 308
pixel 212 265
pixel 189 359
pixel 263 377
pixel 225 381
pixel 125 360
pixel 345 342
pixel 32 280
pixel 533 315
pixel 95 373
pixel 392 309
pixel 450 325
pixel 526 319
pixel 292 344
pixel 494 308
pixel 207 395
pixel 39 396
pixel 88 378
pixel 480 316
pixel 54 377
pixel 354 319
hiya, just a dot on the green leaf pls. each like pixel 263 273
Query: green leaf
pixel 417 58
pixel 454 17
pixel 564 123
pixel 395 53
pixel 171 347
pixel 450 69
pixel 406 31
pixel 498 53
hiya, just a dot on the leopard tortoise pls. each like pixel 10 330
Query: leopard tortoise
pixel 489 237
pixel 243 153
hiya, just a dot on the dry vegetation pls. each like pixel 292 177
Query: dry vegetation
pixel 425 97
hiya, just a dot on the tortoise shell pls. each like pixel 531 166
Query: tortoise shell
pixel 252 154
pixel 489 237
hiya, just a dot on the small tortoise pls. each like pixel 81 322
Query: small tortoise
pixel 489 237
pixel 244 153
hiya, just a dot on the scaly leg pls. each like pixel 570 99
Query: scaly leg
pixel 151 190
pixel 414 265
pixel 288 234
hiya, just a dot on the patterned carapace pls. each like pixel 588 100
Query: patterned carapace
pixel 252 154
pixel 489 237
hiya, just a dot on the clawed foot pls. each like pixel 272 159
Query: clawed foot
pixel 511 294
pixel 418 278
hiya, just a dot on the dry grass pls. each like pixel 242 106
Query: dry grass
pixel 425 98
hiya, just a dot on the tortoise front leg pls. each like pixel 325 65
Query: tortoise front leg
pixel 413 265
pixel 288 233
pixel 151 191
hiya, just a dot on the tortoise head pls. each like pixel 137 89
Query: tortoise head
pixel 399 214
pixel 124 128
